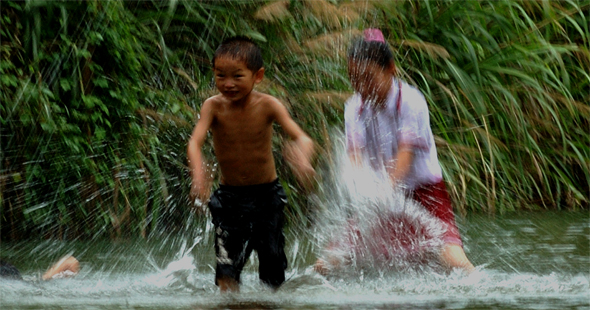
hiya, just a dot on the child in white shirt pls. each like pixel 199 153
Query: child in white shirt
pixel 387 125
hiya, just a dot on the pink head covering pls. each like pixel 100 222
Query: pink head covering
pixel 374 34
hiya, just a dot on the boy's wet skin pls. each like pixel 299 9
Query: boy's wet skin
pixel 240 121
pixel 241 126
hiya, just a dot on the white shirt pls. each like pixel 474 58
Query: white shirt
pixel 377 133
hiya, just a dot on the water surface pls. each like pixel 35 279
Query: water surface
pixel 524 261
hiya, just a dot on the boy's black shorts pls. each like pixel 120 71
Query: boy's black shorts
pixel 250 218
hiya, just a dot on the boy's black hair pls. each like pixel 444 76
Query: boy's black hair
pixel 378 52
pixel 8 271
pixel 240 48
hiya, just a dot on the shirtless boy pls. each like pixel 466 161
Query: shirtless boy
pixel 247 208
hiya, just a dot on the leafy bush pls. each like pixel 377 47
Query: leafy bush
pixel 99 99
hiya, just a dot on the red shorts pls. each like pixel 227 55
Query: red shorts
pixel 397 237
pixel 436 200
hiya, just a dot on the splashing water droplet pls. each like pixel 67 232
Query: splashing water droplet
pixel 368 224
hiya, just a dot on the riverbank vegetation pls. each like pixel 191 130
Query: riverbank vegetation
pixel 99 99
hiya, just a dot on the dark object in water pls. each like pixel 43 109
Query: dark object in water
pixel 8 271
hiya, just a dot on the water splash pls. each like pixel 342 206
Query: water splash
pixel 181 272
pixel 367 224
pixel 184 281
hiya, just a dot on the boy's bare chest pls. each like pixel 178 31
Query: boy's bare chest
pixel 241 124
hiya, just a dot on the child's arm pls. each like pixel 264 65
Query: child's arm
pixel 300 151
pixel 355 156
pixel 67 266
pixel 400 167
pixel 412 134
pixel 200 180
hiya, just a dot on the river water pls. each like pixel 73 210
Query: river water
pixel 528 260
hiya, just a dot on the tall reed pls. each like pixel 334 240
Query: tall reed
pixel 99 99
pixel 506 82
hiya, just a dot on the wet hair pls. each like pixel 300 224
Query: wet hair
pixel 240 48
pixel 8 271
pixel 375 51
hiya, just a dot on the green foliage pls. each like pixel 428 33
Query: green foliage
pixel 506 85
pixel 99 99
pixel 71 111
pixel 506 81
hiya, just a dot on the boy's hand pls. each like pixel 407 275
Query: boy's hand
pixel 199 194
pixel 305 175
pixel 302 168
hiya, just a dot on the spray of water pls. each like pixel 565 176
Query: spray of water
pixel 366 223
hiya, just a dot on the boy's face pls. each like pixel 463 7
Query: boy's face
pixel 369 79
pixel 233 79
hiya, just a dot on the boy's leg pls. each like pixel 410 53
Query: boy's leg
pixel 271 253
pixel 270 241
pixel 232 250
pixel 232 246
pixel 228 284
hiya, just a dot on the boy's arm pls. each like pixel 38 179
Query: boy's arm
pixel 200 179
pixel 300 151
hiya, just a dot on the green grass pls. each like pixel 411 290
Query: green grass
pixel 99 99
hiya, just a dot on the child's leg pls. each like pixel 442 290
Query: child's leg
pixel 228 284
pixel 232 235
pixel 437 201
pixel 270 246
pixel 272 260
pixel 453 256
pixel 232 250
pixel 337 253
